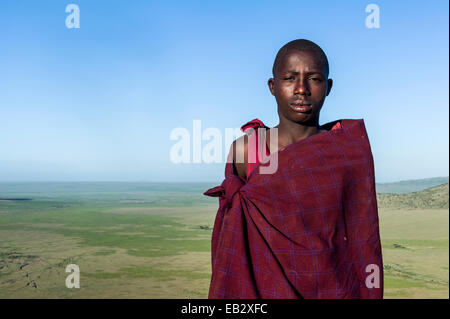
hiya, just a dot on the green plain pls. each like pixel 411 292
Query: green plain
pixel 152 240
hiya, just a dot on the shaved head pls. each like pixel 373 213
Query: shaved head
pixel 301 45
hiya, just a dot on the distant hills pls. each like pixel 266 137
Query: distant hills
pixel 409 194
pixel 409 186
pixel 434 197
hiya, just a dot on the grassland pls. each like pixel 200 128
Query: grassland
pixel 136 240
pixel 415 252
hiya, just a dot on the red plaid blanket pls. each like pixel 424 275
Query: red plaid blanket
pixel 309 230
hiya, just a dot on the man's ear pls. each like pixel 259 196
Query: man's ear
pixel 271 83
pixel 330 85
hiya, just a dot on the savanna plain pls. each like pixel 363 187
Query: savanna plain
pixel 152 240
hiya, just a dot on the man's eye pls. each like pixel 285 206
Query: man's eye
pixel 289 78
pixel 316 79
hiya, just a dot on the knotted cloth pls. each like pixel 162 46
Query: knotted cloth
pixel 309 230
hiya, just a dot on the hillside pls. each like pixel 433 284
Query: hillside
pixel 408 186
pixel 434 197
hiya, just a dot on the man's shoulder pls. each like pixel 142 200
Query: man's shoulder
pixel 239 151
pixel 240 146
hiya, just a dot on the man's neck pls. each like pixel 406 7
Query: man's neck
pixel 290 132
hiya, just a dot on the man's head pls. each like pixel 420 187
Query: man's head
pixel 300 81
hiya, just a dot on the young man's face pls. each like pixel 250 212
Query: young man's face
pixel 300 85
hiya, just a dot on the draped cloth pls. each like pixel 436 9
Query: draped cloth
pixel 309 230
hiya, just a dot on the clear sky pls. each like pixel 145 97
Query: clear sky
pixel 98 103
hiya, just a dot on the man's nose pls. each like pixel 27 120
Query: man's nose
pixel 301 87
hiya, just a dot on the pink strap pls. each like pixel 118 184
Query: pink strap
pixel 254 144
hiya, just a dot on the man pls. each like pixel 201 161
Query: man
pixel 310 229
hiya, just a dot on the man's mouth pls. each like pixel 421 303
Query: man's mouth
pixel 301 107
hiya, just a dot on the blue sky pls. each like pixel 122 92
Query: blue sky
pixel 98 103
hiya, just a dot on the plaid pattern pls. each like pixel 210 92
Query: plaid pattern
pixel 307 231
pixel 258 147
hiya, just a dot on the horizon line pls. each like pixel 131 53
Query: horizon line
pixel 173 182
